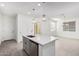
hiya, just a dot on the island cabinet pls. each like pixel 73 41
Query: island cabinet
pixel 30 47
pixel 33 48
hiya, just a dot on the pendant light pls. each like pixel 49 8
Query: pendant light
pixel 44 17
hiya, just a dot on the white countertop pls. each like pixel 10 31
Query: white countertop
pixel 42 39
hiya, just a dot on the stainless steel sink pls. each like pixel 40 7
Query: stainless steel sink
pixel 31 36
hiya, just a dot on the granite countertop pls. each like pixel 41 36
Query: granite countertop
pixel 42 39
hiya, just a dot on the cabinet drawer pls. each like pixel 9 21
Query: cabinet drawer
pixel 24 39
pixel 30 47
pixel 33 48
pixel 26 46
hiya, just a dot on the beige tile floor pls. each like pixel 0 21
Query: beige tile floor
pixel 63 47
pixel 67 47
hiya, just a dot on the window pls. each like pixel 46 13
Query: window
pixel 69 26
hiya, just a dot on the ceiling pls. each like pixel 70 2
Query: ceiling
pixel 51 9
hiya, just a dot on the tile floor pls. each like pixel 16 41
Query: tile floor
pixel 67 47
pixel 63 47
pixel 11 48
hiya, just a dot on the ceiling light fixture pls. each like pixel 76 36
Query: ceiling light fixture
pixel 44 17
pixel 39 4
pixel 33 9
pixel 2 5
pixel 28 13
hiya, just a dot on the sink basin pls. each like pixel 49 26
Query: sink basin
pixel 31 36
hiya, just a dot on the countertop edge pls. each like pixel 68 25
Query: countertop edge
pixel 39 42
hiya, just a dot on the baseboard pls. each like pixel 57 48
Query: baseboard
pixel 7 40
pixel 19 41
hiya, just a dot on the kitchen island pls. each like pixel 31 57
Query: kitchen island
pixel 40 45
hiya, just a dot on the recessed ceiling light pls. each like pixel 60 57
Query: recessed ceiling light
pixel 28 13
pixel 39 4
pixel 2 5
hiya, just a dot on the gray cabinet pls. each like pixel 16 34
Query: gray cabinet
pixel 33 48
pixel 30 47
pixel 26 45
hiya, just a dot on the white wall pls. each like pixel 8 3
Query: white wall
pixel 67 34
pixel 7 27
pixel 0 28
pixel 45 26
pixel 24 26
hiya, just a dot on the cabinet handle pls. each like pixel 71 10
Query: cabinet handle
pixel 25 43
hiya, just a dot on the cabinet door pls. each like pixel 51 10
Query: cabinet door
pixel 26 44
pixel 33 48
